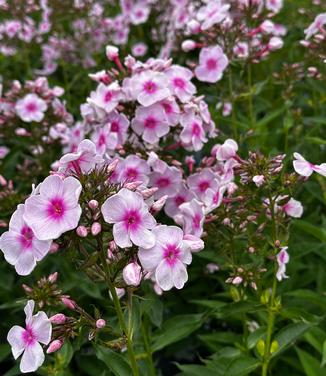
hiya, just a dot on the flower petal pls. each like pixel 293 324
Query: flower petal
pixel 32 359
pixel 15 339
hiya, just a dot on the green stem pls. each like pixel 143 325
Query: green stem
pixel 148 349
pixel 118 309
pixel 233 118
pixel 250 100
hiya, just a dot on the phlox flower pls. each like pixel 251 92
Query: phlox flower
pixel 20 246
pixel 179 82
pixel 104 140
pixel 83 160
pixel 227 150
pixel 199 182
pixel 151 123
pixel 149 87
pixel 31 108
pixel 132 169
pixel 171 110
pixel 167 180
pixel 192 217
pixel 168 258
pixel 316 26
pixel 241 50
pixel 212 13
pixel 282 259
pixel 27 340
pixel 305 168
pixel 118 125
pixel 106 97
pixel 139 13
pixel 293 208
pixel 131 218
pixel 274 5
pixel 213 198
pixel 139 49
pixel 183 194
pixel 54 209
pixel 212 63
pixel 192 134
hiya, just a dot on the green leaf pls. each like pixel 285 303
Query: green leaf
pixel 175 329
pixel 271 115
pixel 316 140
pixel 64 355
pixel 310 364
pixel 242 366
pixel 255 336
pixel 323 360
pixel 114 361
pixel 5 350
pixel 194 370
pixel 315 231
pixel 288 335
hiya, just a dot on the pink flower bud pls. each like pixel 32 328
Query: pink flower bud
pixel 69 303
pixel 27 289
pixel 82 231
pixel 58 319
pixel 100 323
pixel 275 43
pixel 212 268
pixel 158 205
pixel 3 181
pixel 188 45
pixel 96 228
pixel 112 166
pixel 112 52
pixel 237 280
pixel 54 346
pixel 54 247
pixel 132 274
pixel 93 204
pixel 147 193
pixel 52 278
pixel 132 185
pixel 259 180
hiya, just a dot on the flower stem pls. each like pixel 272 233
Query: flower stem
pixel 250 100
pixel 118 309
pixel 148 350
pixel 233 117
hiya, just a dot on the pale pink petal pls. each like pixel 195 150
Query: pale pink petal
pixel 52 186
pixel 25 263
pixel 29 308
pixel 179 274
pixel 41 327
pixel 163 276
pixel 302 168
pixel 121 236
pixel 15 339
pixel 32 358
pixel 10 246
pixel 113 209
pixel 150 258
pixel 142 237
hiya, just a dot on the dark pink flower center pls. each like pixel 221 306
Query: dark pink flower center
pixel 101 140
pixel 132 219
pixel 167 107
pixel 26 237
pixel 171 254
pixel 196 129
pixel 216 197
pixel 150 87
pixel 131 173
pixel 179 200
pixel 115 126
pixel 108 96
pixel 31 107
pixel 203 185
pixel 56 208
pixel 28 336
pixel 150 122
pixel 211 64
pixel 163 182
pixel 179 83
pixel 196 221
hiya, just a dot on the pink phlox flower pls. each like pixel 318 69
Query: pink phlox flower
pixel 212 63
pixel 27 340
pixel 131 219
pixel 149 87
pixel 282 259
pixel 167 181
pixel 20 246
pixel 31 108
pixel 131 169
pixel 227 150
pixel 104 140
pixel 118 125
pixel 172 204
pixel 83 160
pixel 293 208
pixel 316 26
pixel 180 82
pixel 212 13
pixel 200 182
pixel 305 168
pixel 213 198
pixel 191 217
pixel 105 98
pixel 274 5
pixel 171 110
pixel 151 123
pixel 167 258
pixel 55 209
pixel 193 134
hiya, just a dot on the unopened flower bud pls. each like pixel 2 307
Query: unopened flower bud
pixel 69 303
pixel 158 205
pixel 96 228
pixel 132 185
pixel 237 280
pixel 100 323
pixel 132 274
pixel 147 193
pixel 112 166
pixel 93 204
pixel 54 346
pixel 27 289
pixel 275 43
pixel 112 52
pixel 58 319
pixel 82 231
pixel 54 247
pixel 188 45
pixel 52 278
